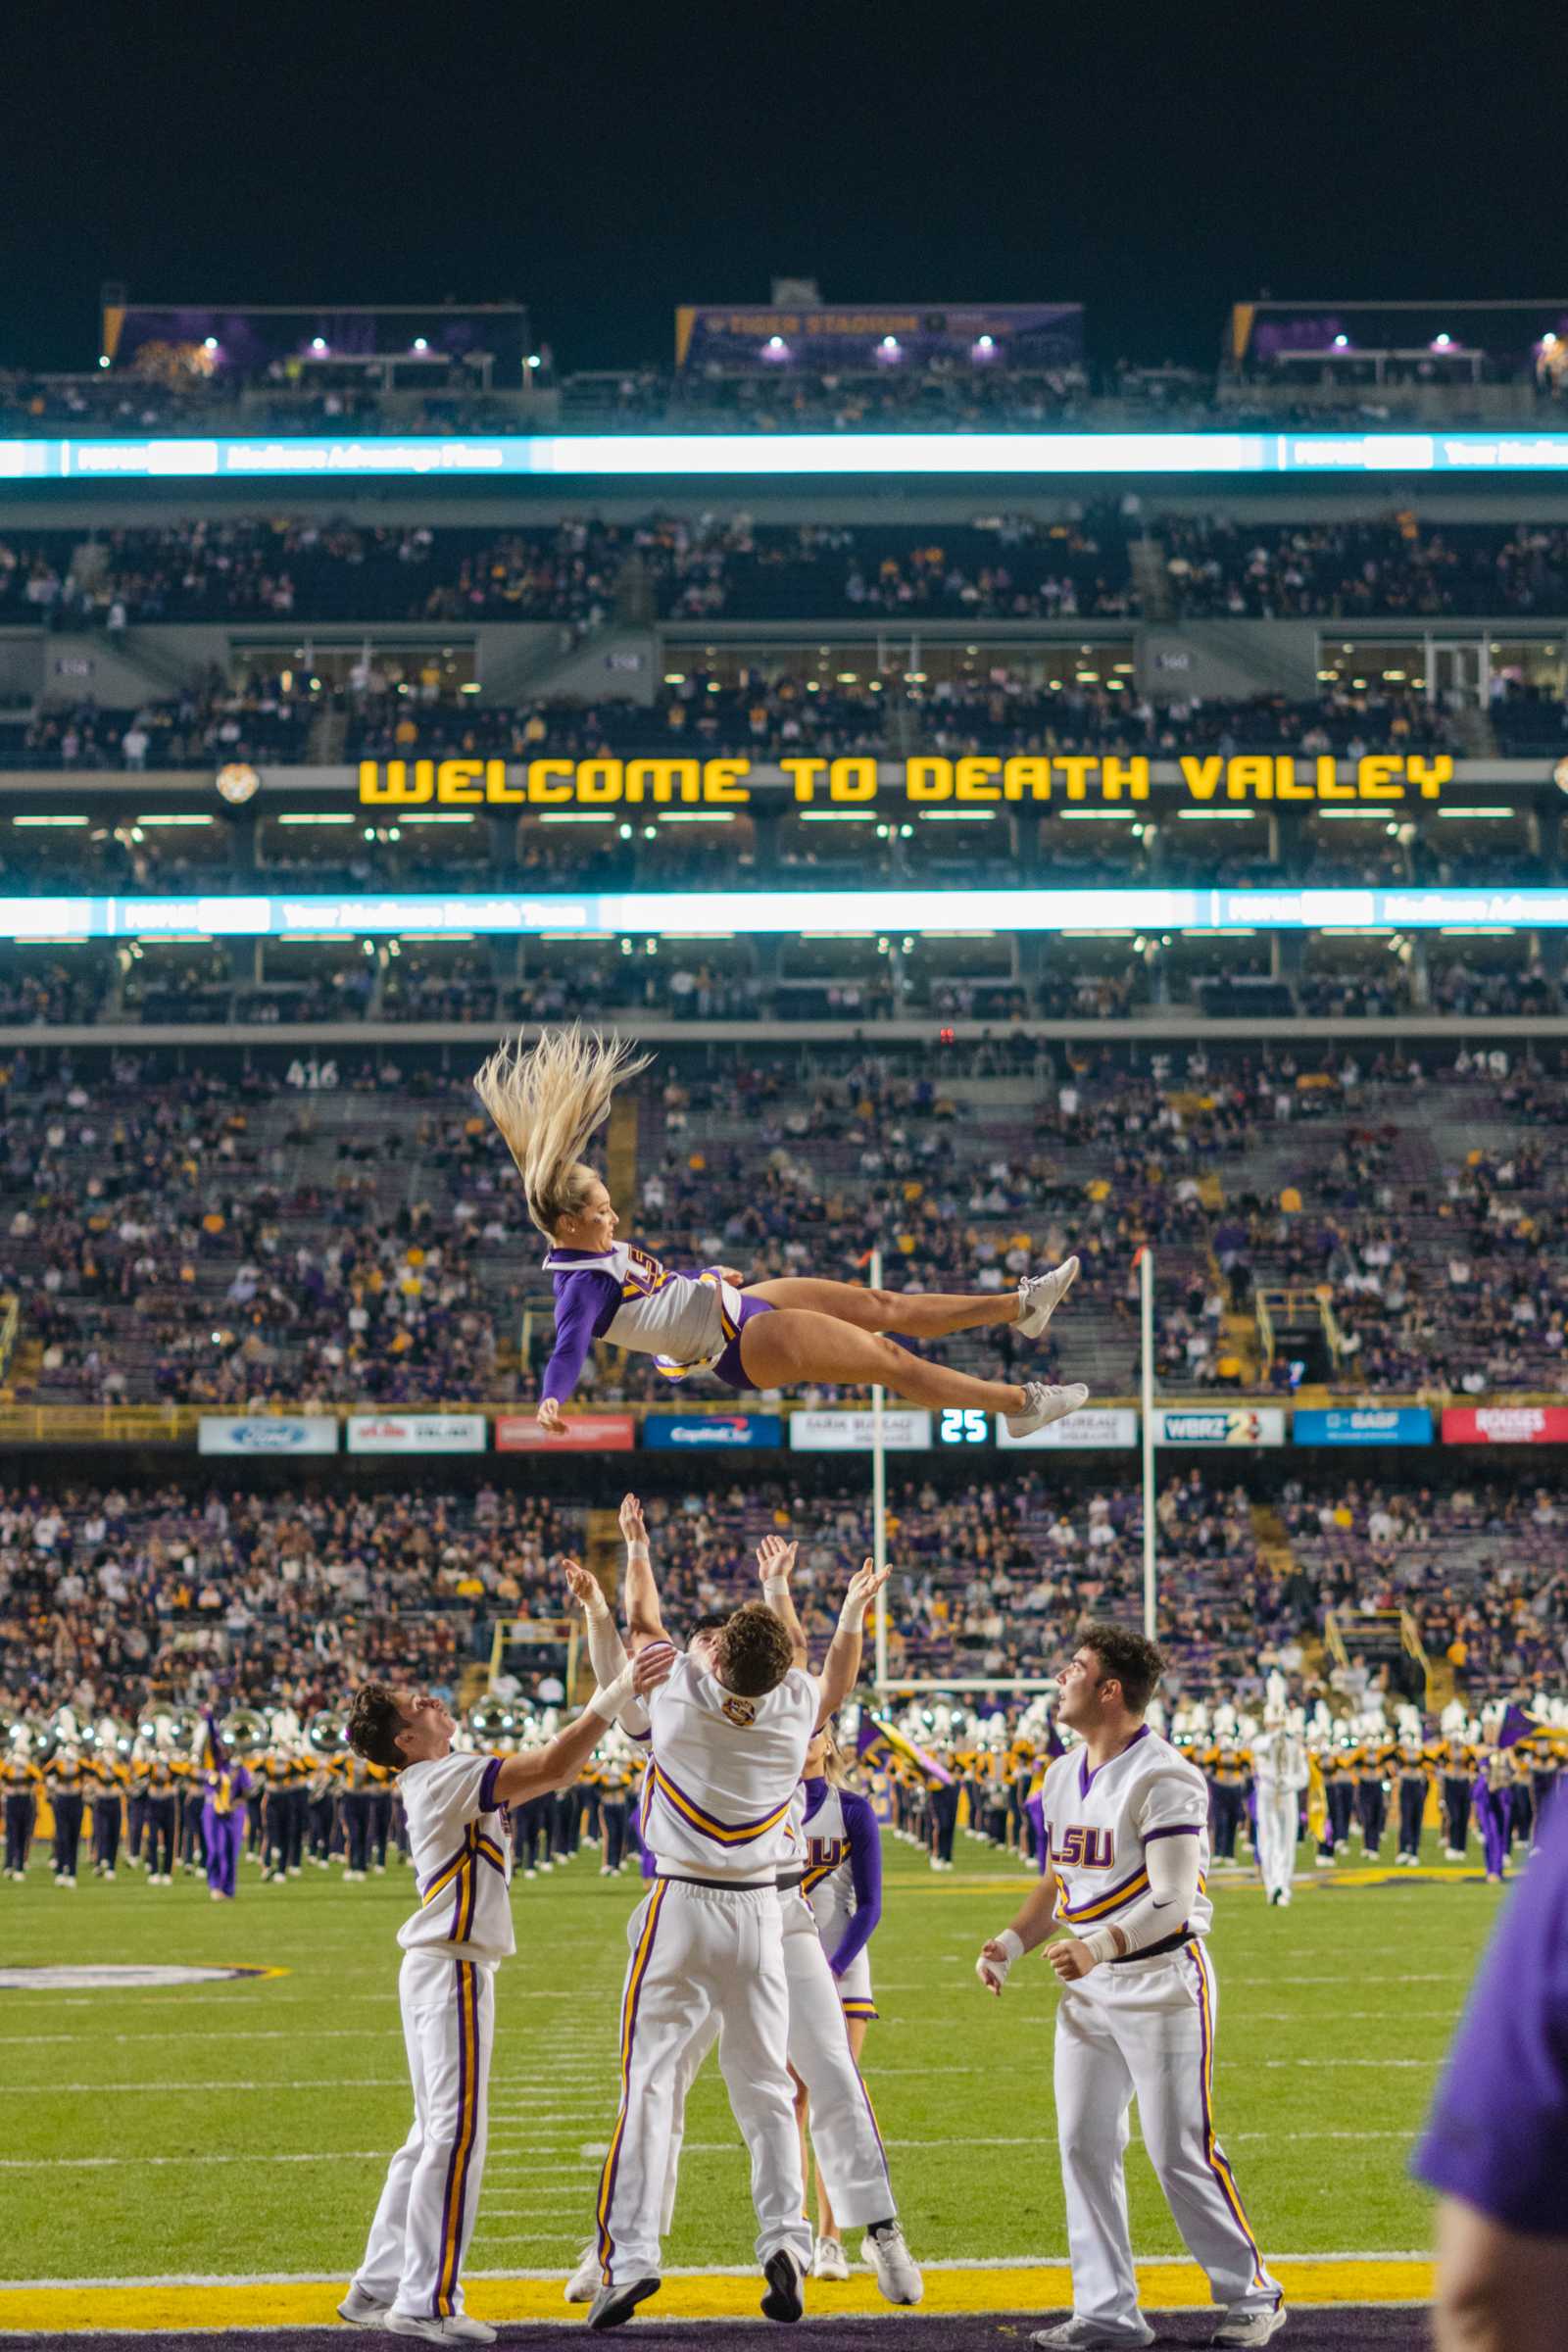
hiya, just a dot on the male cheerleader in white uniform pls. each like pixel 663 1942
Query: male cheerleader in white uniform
pixel 1126 1840
pixel 729 1729
pixel 409 2280
pixel 820 2045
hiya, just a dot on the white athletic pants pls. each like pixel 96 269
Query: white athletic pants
pixel 1146 2030
pixel 701 1953
pixel 1278 1820
pixel 413 2259
pixel 843 2128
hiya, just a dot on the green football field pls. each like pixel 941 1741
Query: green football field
pixel 242 2127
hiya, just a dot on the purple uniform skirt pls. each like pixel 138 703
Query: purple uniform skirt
pixel 727 1367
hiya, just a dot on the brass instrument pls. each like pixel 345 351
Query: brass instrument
pixel 492 1721
pixel 245 1732
pixel 326 1736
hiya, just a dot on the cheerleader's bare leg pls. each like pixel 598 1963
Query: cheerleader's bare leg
pixel 793 1346
pixel 923 1314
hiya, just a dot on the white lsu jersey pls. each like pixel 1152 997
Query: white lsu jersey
pixel 723 1771
pixel 1099 1826
pixel 460 1850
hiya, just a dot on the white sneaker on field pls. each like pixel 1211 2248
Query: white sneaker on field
pixel 897 2274
pixel 586 2279
pixel 1044 1403
pixel 1087 2336
pixel 830 2260
pixel 1039 1295
pixel 458 2330
pixel 362 2309
pixel 1250 2327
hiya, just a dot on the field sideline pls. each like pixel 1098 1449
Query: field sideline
pixel 237 2132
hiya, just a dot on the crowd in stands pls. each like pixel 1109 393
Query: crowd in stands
pixel 113 1600
pixel 118 1598
pixel 1394 568
pixel 303 568
pixel 208 726
pixel 729 566
pixel 1479 1566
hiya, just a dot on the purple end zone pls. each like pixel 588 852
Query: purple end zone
pixel 1313 2327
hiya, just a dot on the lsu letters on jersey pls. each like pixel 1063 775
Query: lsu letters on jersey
pixel 724 1773
pixel 1098 1827
pixel 460 1850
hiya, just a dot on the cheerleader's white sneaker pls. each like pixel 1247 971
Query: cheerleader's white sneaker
pixel 1044 1403
pixel 1039 1295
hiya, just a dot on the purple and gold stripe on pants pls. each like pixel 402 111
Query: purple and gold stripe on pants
pixel 1213 2154
pixel 628 2030
pixel 454 2194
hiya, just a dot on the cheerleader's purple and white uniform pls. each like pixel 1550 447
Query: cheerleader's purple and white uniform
pixel 683 1321
pixel 844 1885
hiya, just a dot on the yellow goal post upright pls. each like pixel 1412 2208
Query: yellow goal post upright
pixel 887 1686
pixel 546 1636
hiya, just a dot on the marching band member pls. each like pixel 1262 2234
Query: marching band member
pixel 20 1780
pixel 162 1806
pixel 108 1814
pixel 776 1335
pixel 226 1786
pixel 65 1784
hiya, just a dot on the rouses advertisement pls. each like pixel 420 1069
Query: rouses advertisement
pixel 584 1433
pixel 1098 1426
pixel 417 1433
pixel 823 1431
pixel 266 1433
pixel 703 1431
pixel 1505 1425
pixel 1220 1425
pixel 1362 1425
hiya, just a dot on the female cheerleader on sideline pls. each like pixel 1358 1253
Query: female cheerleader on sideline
pixel 843 1885
pixel 776 1334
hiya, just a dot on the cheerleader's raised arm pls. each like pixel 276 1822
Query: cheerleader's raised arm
pixel 794 1332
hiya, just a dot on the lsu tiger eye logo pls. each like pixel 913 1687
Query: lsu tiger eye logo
pixel 1085 1849
pixel 741 1712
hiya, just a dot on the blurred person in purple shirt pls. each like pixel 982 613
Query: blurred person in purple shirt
pixel 1496 2147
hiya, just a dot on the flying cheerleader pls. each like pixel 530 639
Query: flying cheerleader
pixel 786 1334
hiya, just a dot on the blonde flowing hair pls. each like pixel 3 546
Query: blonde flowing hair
pixel 547 1103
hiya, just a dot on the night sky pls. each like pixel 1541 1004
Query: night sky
pixel 601 166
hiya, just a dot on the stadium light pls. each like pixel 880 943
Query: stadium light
pixel 1441 342
pixel 103 358
pixel 1342 342
pixel 419 343
pixel 534 359
pixel 209 343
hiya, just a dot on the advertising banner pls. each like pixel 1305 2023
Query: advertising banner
pixel 1505 1425
pixel 904 1430
pixel 704 1431
pixel 651 457
pixel 1220 1425
pixel 258 1434
pixel 1095 1425
pixel 888 336
pixel 584 1433
pixel 417 1433
pixel 1362 1425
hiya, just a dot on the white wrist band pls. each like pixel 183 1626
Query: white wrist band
pixel 851 1617
pixel 1011 1943
pixel 775 1590
pixel 609 1699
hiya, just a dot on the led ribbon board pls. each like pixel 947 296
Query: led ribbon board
pixel 754 913
pixel 656 455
